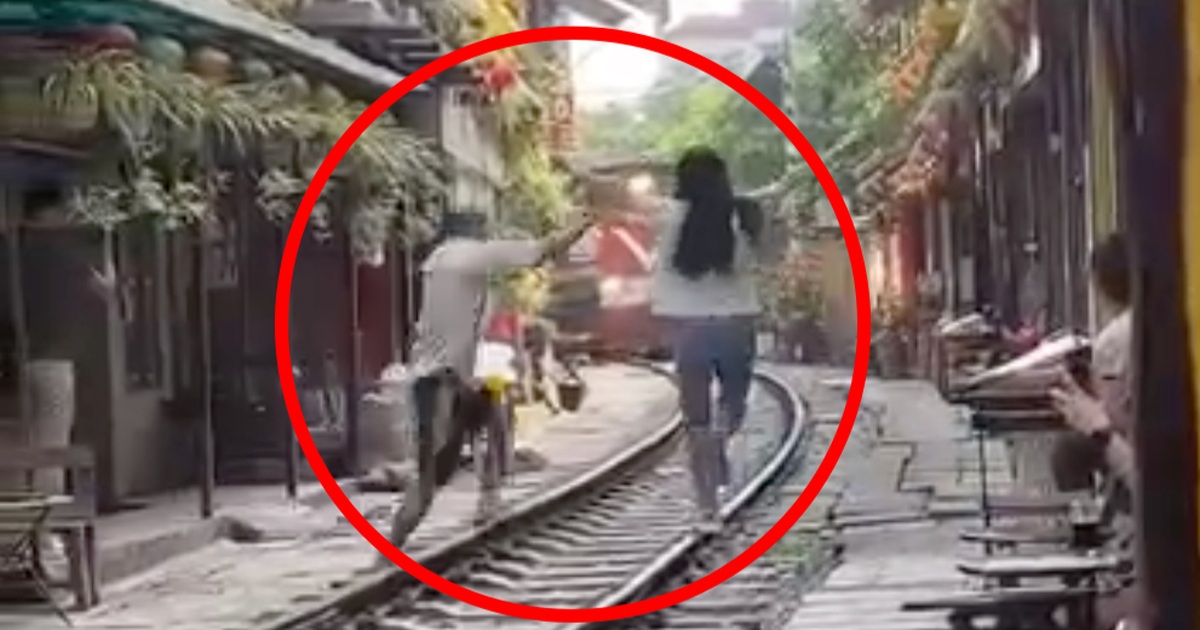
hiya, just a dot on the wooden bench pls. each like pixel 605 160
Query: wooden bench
pixel 1071 568
pixel 1017 535
pixel 1013 608
pixel 73 516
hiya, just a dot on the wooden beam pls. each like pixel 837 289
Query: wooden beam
pixel 11 208
pixel 207 447
pixel 354 377
pixel 1165 239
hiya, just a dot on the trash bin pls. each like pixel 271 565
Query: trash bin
pixel 385 434
pixel 52 394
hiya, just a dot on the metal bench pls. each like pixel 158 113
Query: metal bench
pixel 71 516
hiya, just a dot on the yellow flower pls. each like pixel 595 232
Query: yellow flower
pixel 495 386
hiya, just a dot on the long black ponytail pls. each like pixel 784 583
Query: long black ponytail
pixel 706 238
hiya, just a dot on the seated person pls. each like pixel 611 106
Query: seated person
pixel 1100 413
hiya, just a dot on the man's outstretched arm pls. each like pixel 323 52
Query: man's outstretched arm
pixel 556 245
pixel 508 254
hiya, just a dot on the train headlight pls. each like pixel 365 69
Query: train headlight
pixel 640 184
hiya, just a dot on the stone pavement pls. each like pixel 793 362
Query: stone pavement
pixel 309 551
pixel 898 494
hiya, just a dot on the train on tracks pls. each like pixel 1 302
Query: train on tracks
pixel 601 291
pixel 601 294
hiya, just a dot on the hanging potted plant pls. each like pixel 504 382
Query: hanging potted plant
pixel 212 64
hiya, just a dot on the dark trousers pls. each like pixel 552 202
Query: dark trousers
pixel 448 414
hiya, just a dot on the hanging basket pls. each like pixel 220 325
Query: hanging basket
pixel 26 113
pixel 211 64
pixel 167 52
pixel 571 393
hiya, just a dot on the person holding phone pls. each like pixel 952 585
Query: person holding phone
pixel 1098 407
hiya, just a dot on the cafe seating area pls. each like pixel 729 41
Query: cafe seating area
pixel 1036 557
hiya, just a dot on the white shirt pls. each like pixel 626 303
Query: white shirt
pixel 455 299
pixel 1111 369
pixel 712 295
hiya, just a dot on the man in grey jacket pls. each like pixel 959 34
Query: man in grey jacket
pixel 447 401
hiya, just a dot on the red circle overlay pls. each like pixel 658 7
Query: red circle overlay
pixel 380 541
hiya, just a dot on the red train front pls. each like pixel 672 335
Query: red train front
pixel 602 294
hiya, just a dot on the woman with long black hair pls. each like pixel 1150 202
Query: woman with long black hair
pixel 710 244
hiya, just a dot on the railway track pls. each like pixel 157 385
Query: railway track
pixel 612 537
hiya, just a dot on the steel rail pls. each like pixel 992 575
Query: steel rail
pixel 370 590
pixel 377 591
pixel 667 564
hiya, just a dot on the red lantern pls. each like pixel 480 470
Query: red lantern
pixel 497 77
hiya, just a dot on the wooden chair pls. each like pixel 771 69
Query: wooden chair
pixel 1034 532
pixel 1005 594
pixel 22 521
pixel 73 516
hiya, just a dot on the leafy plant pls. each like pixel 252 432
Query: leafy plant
pixel 144 194
pixel 526 291
pixel 792 289
pixel 175 128
pixel 537 192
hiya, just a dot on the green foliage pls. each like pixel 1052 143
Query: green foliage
pixel 685 111
pixel 174 130
pixel 834 94
pixel 837 96
pixel 537 192
pixel 688 111
pixel 792 288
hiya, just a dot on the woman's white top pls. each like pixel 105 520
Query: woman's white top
pixel 711 295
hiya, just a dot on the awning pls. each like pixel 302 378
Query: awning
pixel 215 21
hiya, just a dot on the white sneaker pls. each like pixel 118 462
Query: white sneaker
pixel 488 507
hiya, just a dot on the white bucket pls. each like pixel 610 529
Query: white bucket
pixel 52 397
pixel 385 432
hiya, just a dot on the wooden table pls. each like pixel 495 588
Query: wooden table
pixel 1011 608
pixel 1013 536
pixel 989 421
pixel 1078 573
pixel 1068 566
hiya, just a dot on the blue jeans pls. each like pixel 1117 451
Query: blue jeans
pixel 706 348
